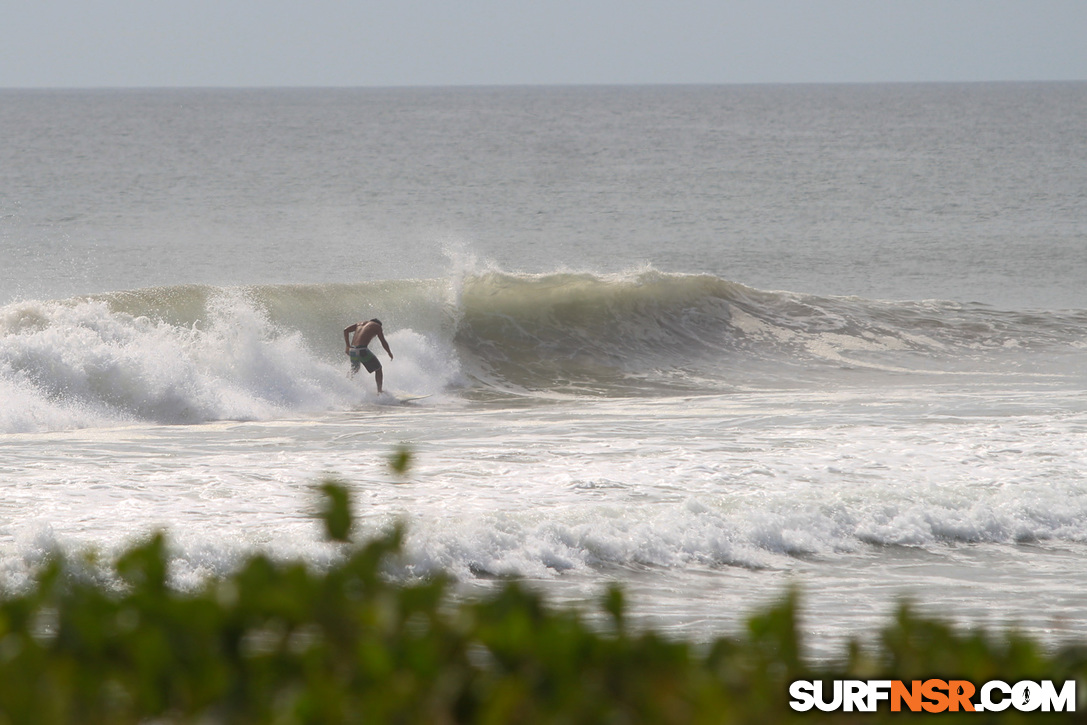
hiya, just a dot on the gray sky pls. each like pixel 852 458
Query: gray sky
pixel 120 43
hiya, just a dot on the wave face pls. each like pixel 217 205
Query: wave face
pixel 649 330
pixel 191 354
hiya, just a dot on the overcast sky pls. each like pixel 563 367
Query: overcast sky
pixel 123 43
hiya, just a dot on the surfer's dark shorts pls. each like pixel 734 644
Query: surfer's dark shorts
pixel 363 356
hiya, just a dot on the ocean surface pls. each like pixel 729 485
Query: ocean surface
pixel 706 342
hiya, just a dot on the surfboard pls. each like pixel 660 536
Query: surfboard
pixel 406 397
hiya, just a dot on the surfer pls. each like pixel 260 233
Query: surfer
pixel 358 351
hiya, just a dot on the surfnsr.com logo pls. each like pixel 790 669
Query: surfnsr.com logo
pixel 932 696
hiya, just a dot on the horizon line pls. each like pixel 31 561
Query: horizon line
pixel 484 86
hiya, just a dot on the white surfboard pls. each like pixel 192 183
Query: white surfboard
pixel 406 397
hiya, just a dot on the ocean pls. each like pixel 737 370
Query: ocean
pixel 708 343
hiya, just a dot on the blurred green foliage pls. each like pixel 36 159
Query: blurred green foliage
pixel 283 642
pixel 400 460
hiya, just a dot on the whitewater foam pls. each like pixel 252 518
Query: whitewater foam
pixel 81 362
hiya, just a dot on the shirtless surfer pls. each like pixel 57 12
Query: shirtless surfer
pixel 359 352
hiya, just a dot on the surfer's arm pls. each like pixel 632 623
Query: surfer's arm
pixel 347 336
pixel 384 344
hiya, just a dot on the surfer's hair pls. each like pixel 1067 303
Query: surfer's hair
pixel 374 319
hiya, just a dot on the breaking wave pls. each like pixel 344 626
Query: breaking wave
pixel 189 354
